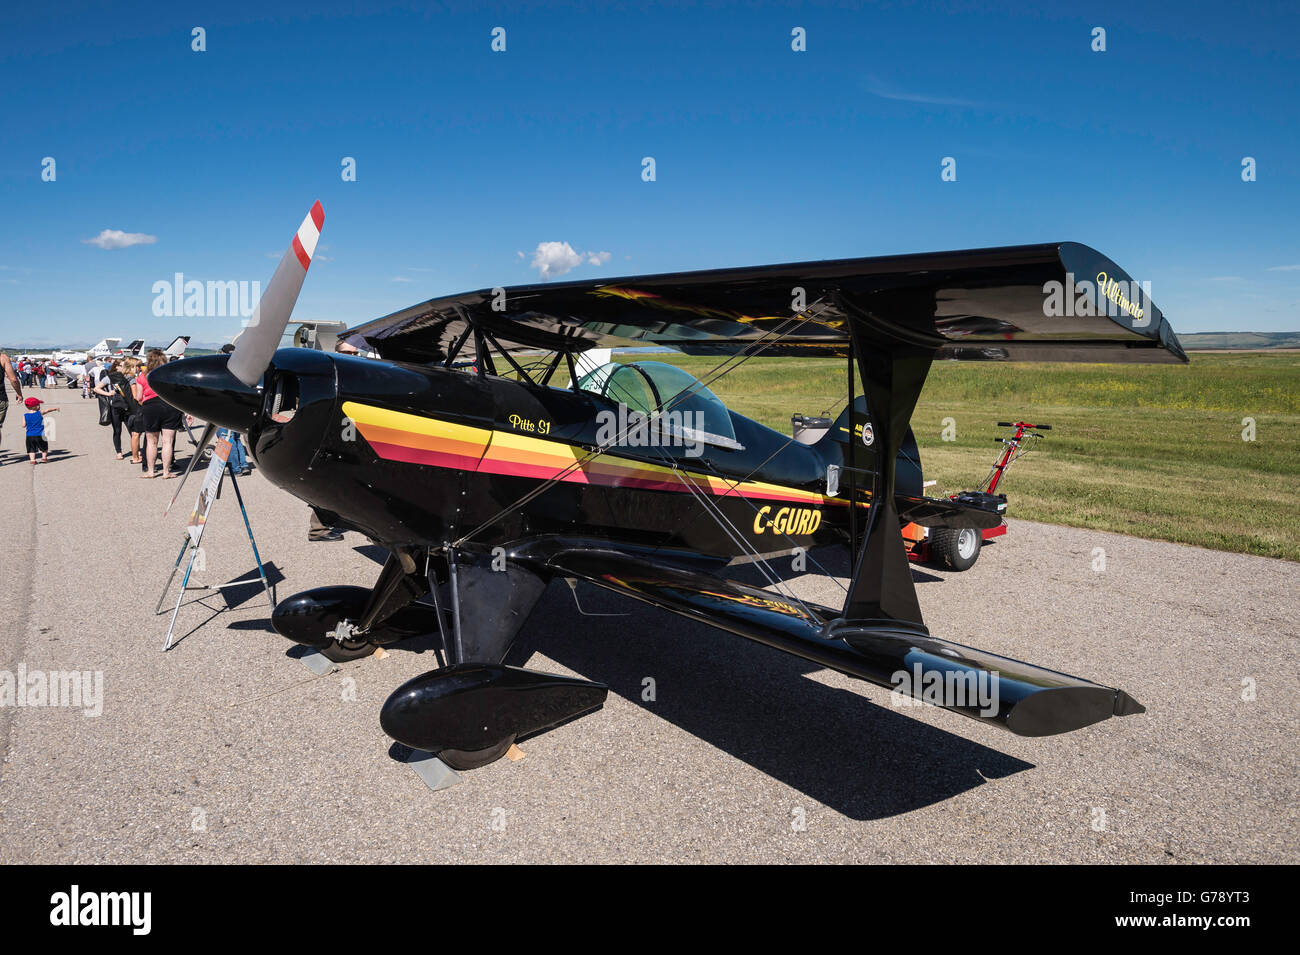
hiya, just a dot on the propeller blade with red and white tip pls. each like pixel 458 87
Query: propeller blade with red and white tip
pixel 258 342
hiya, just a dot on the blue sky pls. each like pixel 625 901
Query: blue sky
pixel 465 157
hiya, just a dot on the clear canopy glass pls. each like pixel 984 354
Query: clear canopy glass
pixel 666 393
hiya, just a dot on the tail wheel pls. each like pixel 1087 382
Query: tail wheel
pixel 955 548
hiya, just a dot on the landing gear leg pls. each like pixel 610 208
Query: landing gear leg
pixel 470 711
pixel 345 623
pixel 455 651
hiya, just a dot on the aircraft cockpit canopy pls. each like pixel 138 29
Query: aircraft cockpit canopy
pixel 674 398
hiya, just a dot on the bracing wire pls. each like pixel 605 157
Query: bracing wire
pixel 735 361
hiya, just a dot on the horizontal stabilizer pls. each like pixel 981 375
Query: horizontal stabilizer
pixel 937 512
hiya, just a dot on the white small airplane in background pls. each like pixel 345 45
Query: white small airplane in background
pixel 175 350
pixel 104 349
pixel 72 365
pixel 318 336
pixel 108 349
pixel 72 371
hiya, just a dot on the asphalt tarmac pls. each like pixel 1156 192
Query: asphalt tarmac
pixel 228 749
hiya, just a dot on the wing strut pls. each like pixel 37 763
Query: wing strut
pixel 893 361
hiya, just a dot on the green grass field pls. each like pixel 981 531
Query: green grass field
pixel 1150 450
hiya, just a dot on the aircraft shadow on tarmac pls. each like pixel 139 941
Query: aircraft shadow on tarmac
pixel 861 758
pixel 864 760
pixel 373 552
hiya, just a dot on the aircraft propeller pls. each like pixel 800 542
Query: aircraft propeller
pixel 205 386
pixel 259 341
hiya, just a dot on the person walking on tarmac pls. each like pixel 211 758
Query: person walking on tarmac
pixel 35 421
pixel 121 402
pixel 7 374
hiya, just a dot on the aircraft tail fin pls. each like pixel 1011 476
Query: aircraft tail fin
pixel 846 445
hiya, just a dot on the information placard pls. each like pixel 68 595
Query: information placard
pixel 208 491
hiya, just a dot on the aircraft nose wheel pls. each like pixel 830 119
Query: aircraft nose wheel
pixel 325 619
pixel 955 549
pixel 462 759
pixel 344 647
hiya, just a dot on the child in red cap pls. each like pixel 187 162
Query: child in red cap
pixel 35 420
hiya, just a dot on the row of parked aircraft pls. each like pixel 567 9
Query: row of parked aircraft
pixel 109 348
pixel 72 364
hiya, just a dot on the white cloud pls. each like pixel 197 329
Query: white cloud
pixel 117 239
pixel 1284 268
pixel 401 278
pixel 552 259
pixel 884 90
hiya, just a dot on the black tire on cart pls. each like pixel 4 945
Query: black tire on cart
pixel 955 548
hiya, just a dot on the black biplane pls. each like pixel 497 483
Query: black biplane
pixel 483 481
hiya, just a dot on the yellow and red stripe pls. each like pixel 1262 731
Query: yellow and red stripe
pixel 415 439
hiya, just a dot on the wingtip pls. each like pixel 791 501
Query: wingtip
pixel 1125 705
pixel 318 214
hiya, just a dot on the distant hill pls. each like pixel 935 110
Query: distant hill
pixel 1202 341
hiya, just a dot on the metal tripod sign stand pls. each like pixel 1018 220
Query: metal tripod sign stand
pixel 218 468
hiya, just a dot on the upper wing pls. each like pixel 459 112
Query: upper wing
pixel 1052 302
